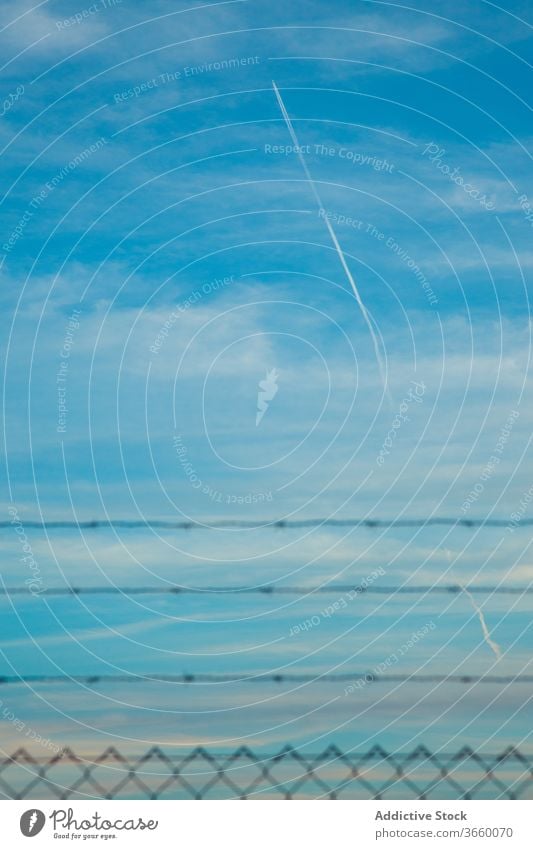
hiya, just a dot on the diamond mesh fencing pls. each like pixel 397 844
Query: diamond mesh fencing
pixel 289 774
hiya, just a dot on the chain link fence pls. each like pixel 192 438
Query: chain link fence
pixel 289 774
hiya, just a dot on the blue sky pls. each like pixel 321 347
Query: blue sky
pixel 162 252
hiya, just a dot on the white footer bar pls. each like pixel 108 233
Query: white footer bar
pixel 268 824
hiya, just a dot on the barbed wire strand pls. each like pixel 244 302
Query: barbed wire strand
pixel 188 525
pixel 265 590
pixel 208 678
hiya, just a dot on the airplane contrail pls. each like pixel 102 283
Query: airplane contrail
pixel 333 236
pixel 486 633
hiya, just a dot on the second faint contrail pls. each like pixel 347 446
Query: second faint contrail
pixel 486 633
pixel 333 236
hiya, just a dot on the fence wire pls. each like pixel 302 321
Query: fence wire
pixel 262 524
pixel 289 774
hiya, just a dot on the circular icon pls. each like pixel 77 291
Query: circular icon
pixel 32 822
